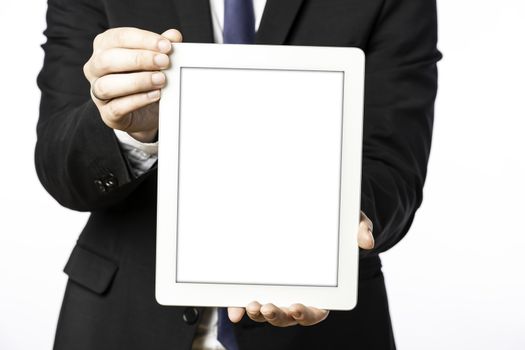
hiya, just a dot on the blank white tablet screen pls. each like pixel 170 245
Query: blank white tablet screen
pixel 259 176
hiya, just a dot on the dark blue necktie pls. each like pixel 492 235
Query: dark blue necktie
pixel 239 22
pixel 239 28
pixel 225 331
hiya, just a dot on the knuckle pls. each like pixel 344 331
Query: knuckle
pixel 113 113
pixel 97 42
pixel 119 36
pixel 100 88
pixel 137 59
pixel 85 70
pixel 142 60
pixel 100 62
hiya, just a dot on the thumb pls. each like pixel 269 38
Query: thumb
pixel 173 35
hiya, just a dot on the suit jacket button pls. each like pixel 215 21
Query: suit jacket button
pixel 100 186
pixel 190 315
pixel 110 182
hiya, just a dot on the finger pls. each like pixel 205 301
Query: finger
pixel 307 316
pixel 365 238
pixel 118 113
pixel 253 310
pixel 173 35
pixel 131 38
pixel 277 316
pixel 112 86
pixel 235 313
pixel 119 60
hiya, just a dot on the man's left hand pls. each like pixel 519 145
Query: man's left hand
pixel 298 314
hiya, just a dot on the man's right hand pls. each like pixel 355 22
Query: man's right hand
pixel 125 73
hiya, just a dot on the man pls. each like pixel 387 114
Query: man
pixel 96 152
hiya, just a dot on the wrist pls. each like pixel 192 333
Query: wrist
pixel 145 136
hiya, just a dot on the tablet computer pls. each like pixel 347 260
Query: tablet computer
pixel 259 176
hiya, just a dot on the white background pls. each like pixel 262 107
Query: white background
pixel 455 282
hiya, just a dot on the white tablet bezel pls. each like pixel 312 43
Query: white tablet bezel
pixel 350 61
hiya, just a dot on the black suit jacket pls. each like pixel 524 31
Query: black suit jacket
pixel 109 301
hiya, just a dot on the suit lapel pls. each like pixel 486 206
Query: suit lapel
pixel 276 21
pixel 195 20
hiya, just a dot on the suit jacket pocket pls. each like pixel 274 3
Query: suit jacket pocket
pixel 90 269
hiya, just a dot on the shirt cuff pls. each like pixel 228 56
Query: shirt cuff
pixel 141 156
pixel 150 149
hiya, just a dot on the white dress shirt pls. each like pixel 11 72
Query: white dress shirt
pixel 141 157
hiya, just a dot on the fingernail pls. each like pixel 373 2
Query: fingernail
pixel 161 60
pixel 158 78
pixel 153 95
pixel 164 45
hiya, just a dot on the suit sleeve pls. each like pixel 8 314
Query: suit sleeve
pixel 77 157
pixel 400 90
